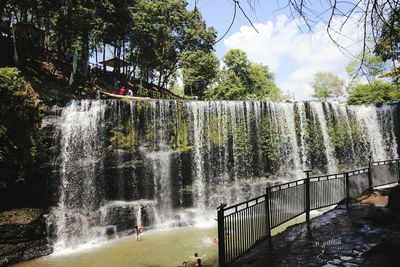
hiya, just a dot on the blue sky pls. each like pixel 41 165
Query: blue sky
pixel 294 55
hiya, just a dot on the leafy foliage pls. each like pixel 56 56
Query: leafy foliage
pixel 327 85
pixel 150 35
pixel 388 45
pixel 199 69
pixel 369 66
pixel 377 92
pixel 124 137
pixel 242 79
pixel 19 115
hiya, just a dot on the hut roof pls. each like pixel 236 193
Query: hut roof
pixel 114 62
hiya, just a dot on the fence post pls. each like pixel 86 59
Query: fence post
pixel 347 185
pixel 307 192
pixel 268 216
pixel 398 171
pixel 221 234
pixel 370 183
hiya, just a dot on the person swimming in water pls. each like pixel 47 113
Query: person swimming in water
pixel 138 229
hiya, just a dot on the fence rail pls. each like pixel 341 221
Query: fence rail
pixel 244 225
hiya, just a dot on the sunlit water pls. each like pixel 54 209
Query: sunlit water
pixel 158 248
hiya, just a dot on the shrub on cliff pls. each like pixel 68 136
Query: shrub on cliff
pixel 19 117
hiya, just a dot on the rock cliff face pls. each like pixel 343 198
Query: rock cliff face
pixel 23 235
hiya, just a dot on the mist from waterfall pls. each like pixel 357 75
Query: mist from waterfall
pixel 164 163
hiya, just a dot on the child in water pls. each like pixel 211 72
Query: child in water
pixel 138 229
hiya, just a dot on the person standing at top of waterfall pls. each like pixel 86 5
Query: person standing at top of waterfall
pixel 80 89
pixel 130 93
pixel 138 229
pixel 98 94
pixel 122 90
pixel 117 84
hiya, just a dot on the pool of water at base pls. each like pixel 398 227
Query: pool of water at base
pixel 157 248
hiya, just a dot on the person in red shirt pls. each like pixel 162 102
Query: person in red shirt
pixel 122 90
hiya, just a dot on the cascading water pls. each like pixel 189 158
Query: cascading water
pixel 318 111
pixel 168 163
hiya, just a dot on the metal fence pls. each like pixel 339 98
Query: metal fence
pixel 244 225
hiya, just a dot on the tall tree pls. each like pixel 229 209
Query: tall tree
pixel 246 80
pixel 326 85
pixel 162 31
pixel 388 45
pixel 200 68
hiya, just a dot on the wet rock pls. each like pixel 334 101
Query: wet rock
pixel 348 264
pixel 110 231
pixel 335 261
pixel 345 258
pixel 23 235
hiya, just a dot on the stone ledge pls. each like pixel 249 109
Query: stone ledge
pixel 23 235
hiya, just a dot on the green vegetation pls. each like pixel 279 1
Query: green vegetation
pixel 199 69
pixel 241 79
pixel 337 132
pixel 214 131
pixel 315 141
pixel 124 136
pixel 19 118
pixel 269 141
pixel 388 43
pixel 243 146
pixel 371 68
pixel 326 85
pixel 150 36
pixel 180 137
pixel 377 92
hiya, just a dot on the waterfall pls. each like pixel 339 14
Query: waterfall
pixel 199 148
pixel 164 163
pixel 302 121
pixel 318 111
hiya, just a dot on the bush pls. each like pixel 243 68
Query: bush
pixel 19 117
pixel 377 92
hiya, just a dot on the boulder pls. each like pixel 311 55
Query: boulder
pixel 23 235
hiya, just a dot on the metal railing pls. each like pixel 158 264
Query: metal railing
pixel 244 225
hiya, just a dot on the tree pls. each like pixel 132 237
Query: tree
pixel 200 68
pixel 388 44
pixel 229 87
pixel 242 79
pixel 236 60
pixel 327 85
pixel 378 20
pixel 19 118
pixel 161 32
pixel 262 83
pixel 377 92
pixel 371 67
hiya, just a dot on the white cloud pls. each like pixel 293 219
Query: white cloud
pixel 295 56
